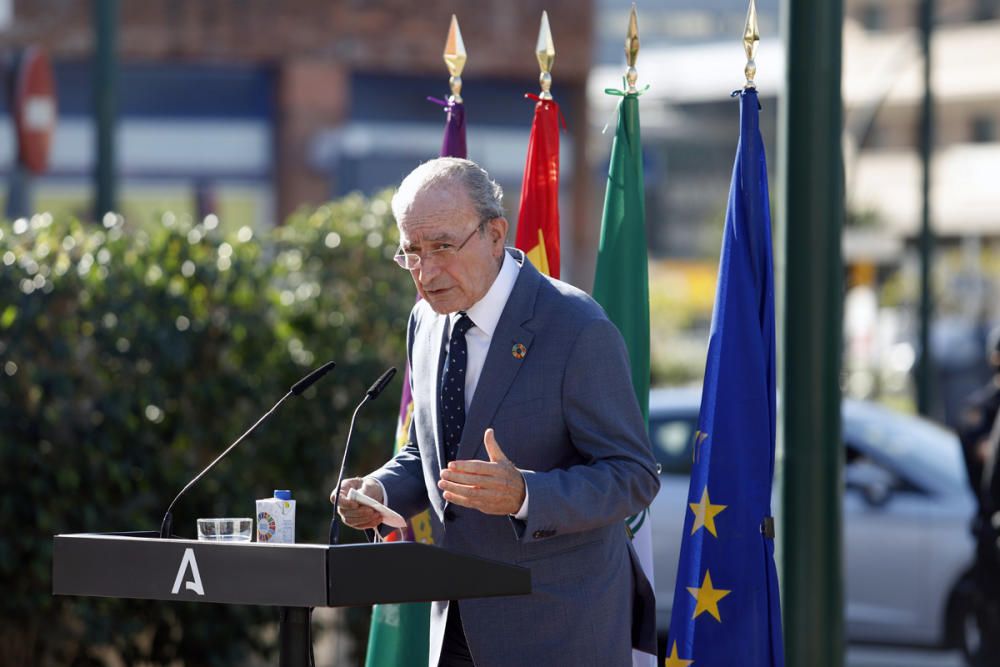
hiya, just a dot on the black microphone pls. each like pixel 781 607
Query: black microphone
pixel 380 384
pixel 370 395
pixel 311 379
pixel 296 389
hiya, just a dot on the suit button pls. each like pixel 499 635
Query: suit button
pixel 538 534
pixel 449 515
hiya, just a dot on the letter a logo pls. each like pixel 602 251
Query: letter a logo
pixel 195 583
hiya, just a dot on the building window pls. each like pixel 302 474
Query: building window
pixel 873 17
pixel 986 10
pixel 983 129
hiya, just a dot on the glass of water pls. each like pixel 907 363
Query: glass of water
pixel 225 529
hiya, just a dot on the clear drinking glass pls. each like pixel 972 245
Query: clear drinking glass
pixel 225 529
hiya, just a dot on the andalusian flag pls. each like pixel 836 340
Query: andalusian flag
pixel 726 608
pixel 621 284
pixel 538 218
pixel 399 633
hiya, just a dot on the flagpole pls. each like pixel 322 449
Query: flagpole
pixel 632 51
pixel 545 51
pixel 399 633
pixel 811 213
pixel 726 607
pixel 454 59
pixel 621 278
pixel 453 144
pixel 751 37
pixel 538 213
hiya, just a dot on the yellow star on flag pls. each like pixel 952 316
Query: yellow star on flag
pixel 708 598
pixel 705 513
pixel 674 661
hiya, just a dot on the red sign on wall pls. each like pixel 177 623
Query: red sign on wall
pixel 34 109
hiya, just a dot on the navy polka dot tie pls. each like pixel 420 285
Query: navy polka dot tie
pixel 453 388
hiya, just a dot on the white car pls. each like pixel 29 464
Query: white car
pixel 907 508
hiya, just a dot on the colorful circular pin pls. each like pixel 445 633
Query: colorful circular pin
pixel 518 351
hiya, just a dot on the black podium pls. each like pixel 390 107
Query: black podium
pixel 296 576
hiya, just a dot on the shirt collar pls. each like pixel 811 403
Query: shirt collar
pixel 486 312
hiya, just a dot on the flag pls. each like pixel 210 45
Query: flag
pixel 400 633
pixel 453 144
pixel 621 284
pixel 726 608
pixel 538 218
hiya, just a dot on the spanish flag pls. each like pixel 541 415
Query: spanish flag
pixel 538 218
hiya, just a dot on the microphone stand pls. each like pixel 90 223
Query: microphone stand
pixel 294 628
pixel 371 394
pixel 297 389
pixel 335 522
pixel 167 523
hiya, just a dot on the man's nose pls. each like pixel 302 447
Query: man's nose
pixel 426 271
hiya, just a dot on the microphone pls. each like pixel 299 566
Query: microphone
pixel 296 389
pixel 370 395
pixel 311 379
pixel 380 384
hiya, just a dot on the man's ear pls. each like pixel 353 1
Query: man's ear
pixel 497 229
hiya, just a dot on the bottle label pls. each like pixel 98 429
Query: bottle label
pixel 276 520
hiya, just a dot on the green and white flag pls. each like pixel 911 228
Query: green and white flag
pixel 621 284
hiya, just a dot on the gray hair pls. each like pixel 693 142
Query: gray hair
pixel 484 193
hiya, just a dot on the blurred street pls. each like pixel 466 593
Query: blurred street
pixel 858 656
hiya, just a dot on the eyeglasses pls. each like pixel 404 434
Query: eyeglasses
pixel 445 251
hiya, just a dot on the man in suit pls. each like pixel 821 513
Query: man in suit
pixel 526 441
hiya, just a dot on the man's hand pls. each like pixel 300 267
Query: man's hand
pixel 353 513
pixel 492 487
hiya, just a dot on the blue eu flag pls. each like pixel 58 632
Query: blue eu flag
pixel 726 608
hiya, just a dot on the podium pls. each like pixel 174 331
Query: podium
pixel 295 576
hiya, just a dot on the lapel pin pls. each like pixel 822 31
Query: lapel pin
pixel 518 351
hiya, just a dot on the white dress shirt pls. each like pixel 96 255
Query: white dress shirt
pixel 485 314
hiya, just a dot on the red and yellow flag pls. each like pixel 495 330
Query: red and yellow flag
pixel 538 218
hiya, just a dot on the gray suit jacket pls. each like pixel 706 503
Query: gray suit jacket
pixel 567 415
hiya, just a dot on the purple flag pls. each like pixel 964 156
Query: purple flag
pixel 454 130
pixel 399 634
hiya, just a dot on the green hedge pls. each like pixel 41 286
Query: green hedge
pixel 131 356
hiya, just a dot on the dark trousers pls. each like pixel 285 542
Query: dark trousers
pixel 455 648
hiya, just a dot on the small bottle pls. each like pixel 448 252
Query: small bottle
pixel 276 518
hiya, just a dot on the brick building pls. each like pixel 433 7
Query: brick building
pixel 259 107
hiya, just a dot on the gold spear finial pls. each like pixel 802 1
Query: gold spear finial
pixel 751 36
pixel 454 58
pixel 632 50
pixel 546 52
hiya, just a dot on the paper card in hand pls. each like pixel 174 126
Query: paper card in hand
pixel 389 517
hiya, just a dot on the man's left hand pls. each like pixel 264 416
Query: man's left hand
pixel 492 487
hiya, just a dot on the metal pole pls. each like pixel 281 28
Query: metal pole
pixel 19 181
pixel 19 192
pixel 294 637
pixel 925 365
pixel 810 221
pixel 105 104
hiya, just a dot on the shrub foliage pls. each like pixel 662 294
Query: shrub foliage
pixel 130 357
